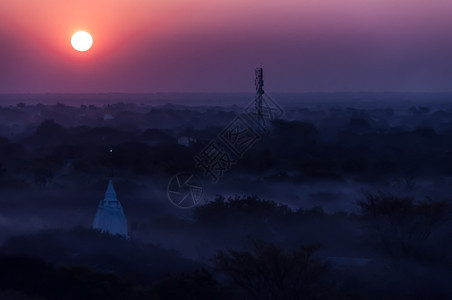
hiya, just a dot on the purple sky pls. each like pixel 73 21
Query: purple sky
pixel 214 46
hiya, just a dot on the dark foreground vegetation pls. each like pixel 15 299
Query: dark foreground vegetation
pixel 404 258
pixel 43 144
pixel 321 237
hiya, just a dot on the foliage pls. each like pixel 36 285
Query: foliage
pixel 402 224
pixel 105 253
pixel 222 208
pixel 198 285
pixel 35 277
pixel 270 272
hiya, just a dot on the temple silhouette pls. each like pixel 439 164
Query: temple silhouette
pixel 110 217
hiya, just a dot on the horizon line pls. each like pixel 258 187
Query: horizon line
pixel 210 93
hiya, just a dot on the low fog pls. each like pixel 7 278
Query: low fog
pixel 365 180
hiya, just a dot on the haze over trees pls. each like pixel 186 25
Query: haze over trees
pixel 368 186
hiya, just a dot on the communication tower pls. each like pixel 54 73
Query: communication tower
pixel 259 82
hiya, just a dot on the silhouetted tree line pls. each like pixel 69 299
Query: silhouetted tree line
pixel 400 223
pixel 337 144
pixel 271 272
pixel 267 269
pixel 292 151
pixel 267 272
pixel 36 278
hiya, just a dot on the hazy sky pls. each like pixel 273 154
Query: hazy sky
pixel 214 45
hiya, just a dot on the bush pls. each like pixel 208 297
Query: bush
pixel 402 224
pixel 270 272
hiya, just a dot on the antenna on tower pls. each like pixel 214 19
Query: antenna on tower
pixel 259 82
pixel 264 109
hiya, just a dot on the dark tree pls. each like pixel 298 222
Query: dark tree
pixel 2 171
pixel 198 285
pixel 42 174
pixel 270 272
pixel 49 129
pixel 401 224
pixel 37 278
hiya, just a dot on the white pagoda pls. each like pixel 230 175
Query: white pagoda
pixel 110 216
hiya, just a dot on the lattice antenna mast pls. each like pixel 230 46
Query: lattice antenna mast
pixel 259 81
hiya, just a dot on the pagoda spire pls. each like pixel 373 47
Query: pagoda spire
pixel 110 217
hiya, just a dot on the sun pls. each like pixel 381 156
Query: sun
pixel 82 41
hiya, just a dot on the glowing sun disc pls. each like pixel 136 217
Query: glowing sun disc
pixel 81 41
